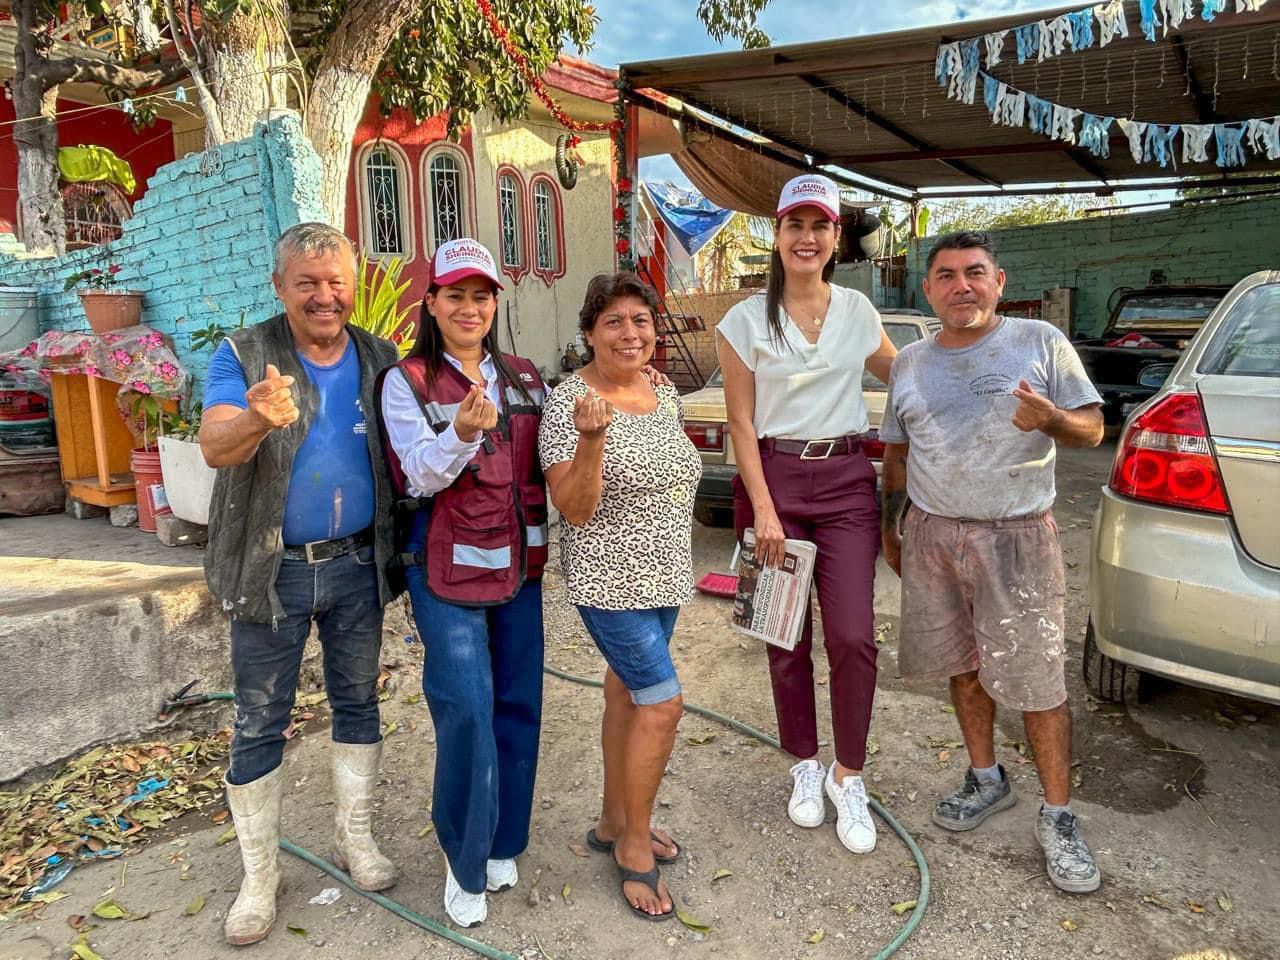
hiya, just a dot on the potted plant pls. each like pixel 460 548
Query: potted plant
pixel 151 418
pixel 106 306
pixel 376 304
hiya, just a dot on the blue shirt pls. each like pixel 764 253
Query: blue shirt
pixel 331 492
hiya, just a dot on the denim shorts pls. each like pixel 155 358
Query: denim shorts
pixel 636 645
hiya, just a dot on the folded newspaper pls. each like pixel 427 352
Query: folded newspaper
pixel 772 601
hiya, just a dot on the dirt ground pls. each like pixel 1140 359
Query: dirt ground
pixel 1178 797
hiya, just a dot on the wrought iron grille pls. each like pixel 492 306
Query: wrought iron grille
pixel 93 213
pixel 512 238
pixel 448 213
pixel 545 226
pixel 385 208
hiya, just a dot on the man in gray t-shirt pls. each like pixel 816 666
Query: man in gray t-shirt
pixel 971 425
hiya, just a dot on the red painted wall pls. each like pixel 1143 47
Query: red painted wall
pixel 146 150
pixel 415 139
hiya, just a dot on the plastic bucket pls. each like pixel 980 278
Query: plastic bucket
pixel 188 480
pixel 148 484
pixel 19 317
pixel 25 421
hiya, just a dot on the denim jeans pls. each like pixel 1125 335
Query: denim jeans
pixel 482 679
pixel 341 596
pixel 637 646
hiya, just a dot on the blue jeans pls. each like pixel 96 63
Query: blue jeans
pixel 341 596
pixel 482 678
pixel 637 646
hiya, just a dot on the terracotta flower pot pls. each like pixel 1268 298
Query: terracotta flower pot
pixel 108 310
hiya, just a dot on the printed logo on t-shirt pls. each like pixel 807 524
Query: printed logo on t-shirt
pixel 361 426
pixel 991 385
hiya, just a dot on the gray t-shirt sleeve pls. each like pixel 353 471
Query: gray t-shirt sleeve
pixel 1069 387
pixel 891 428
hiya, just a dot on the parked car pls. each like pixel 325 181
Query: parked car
pixel 1146 332
pixel 1184 575
pixel 706 422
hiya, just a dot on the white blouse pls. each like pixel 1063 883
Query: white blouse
pixel 807 391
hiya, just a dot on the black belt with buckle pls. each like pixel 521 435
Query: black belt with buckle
pixel 318 550
pixel 814 449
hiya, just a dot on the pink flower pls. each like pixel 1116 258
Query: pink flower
pixel 153 340
pixel 96 272
pixel 121 357
pixel 140 386
pixel 91 370
pixel 114 268
pixel 83 346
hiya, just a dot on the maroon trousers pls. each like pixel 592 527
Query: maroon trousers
pixel 832 503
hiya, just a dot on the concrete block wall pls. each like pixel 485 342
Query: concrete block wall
pixel 199 244
pixel 711 307
pixel 1199 243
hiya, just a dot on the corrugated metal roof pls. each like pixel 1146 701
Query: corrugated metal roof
pixel 871 104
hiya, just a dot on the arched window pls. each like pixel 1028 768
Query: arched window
pixel 511 222
pixel 447 195
pixel 384 202
pixel 548 229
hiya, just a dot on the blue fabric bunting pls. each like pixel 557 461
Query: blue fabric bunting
pixel 1095 135
pixel 969 57
pixel 1230 149
pixel 1039 115
pixel 1149 19
pixel 1028 37
pixel 990 92
pixel 1211 9
pixel 1159 143
pixel 1082 29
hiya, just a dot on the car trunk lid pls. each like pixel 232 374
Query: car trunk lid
pixel 1242 416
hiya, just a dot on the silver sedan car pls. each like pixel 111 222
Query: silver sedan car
pixel 1184 577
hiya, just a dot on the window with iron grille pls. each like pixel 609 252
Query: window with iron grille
pixel 511 217
pixel 448 217
pixel 94 213
pixel 546 226
pixel 384 204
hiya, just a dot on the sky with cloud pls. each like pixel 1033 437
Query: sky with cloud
pixel 656 29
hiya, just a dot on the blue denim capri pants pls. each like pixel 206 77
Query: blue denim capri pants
pixel 637 646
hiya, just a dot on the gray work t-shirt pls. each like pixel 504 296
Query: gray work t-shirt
pixel 955 408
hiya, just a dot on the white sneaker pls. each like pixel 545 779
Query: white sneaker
pixel 854 826
pixel 464 909
pixel 500 875
pixel 806 808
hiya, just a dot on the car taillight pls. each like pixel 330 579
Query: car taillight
pixel 1165 457
pixel 873 446
pixel 706 436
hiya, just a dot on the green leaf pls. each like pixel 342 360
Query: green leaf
pixel 700 741
pixel 817 936
pixel 1224 902
pixel 195 906
pixel 721 874
pixel 82 951
pixel 109 910
pixel 297 931
pixel 425 830
pixel 903 907
pixel 226 837
pixel 692 922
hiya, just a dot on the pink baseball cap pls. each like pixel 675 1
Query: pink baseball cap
pixel 464 257
pixel 810 190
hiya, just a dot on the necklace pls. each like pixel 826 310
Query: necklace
pixel 813 317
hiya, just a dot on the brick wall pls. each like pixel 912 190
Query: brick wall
pixel 1199 243
pixel 199 245
pixel 711 307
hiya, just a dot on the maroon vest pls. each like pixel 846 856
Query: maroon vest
pixel 487 534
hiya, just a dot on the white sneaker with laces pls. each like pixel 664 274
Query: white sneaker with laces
pixel 500 875
pixel 464 909
pixel 806 808
pixel 854 825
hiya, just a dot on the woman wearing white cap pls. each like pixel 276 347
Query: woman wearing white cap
pixel 461 421
pixel 792 360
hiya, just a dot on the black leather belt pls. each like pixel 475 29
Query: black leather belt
pixel 318 550
pixel 814 449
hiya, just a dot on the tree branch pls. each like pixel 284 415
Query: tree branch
pixel 51 73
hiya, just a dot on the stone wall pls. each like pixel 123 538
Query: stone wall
pixel 199 245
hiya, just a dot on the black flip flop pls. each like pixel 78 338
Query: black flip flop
pixel 606 846
pixel 650 879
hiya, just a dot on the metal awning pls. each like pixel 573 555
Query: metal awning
pixel 871 105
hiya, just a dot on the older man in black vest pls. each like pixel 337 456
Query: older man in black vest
pixel 300 532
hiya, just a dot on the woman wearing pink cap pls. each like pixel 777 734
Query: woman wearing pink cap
pixel 792 360
pixel 461 421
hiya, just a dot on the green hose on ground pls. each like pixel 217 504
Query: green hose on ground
pixel 484 950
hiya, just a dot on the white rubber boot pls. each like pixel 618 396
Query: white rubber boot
pixel 255 809
pixel 355 773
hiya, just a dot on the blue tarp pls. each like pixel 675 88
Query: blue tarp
pixel 692 217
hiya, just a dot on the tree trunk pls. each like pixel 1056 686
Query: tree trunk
pixel 340 90
pixel 43 228
pixel 245 79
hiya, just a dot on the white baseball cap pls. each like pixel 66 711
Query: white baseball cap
pixel 812 190
pixel 464 257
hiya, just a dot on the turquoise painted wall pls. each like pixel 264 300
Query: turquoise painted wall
pixel 199 244
pixel 1199 243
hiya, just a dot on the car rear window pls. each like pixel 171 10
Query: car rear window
pixel 901 334
pixel 1247 343
pixel 1166 310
